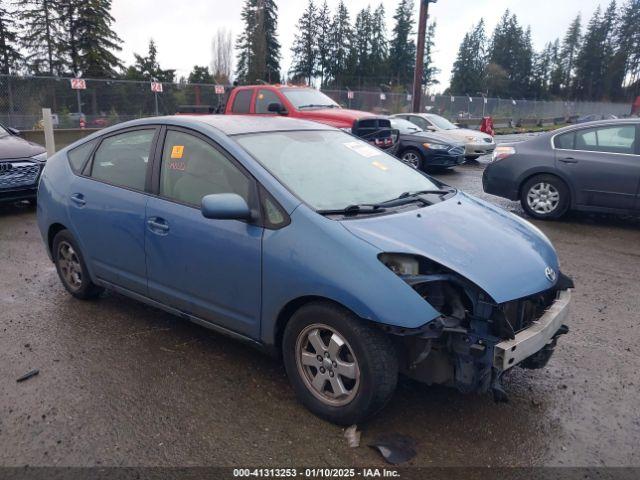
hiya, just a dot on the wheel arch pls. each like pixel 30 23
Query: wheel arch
pixel 290 309
pixel 53 230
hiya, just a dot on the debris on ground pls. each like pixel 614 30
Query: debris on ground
pixel 395 448
pixel 28 375
pixel 353 436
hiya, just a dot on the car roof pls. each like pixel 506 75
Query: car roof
pixel 233 124
pixel 597 123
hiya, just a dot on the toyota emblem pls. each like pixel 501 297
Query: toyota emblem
pixel 550 273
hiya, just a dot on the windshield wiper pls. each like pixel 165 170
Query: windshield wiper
pixel 354 210
pixel 315 105
pixel 408 197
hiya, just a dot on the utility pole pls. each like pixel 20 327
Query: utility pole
pixel 418 72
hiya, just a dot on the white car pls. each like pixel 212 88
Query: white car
pixel 476 142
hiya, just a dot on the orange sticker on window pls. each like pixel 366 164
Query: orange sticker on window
pixel 177 151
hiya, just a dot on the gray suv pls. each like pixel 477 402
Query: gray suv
pixel 21 163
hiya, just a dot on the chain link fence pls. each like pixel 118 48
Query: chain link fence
pixel 106 102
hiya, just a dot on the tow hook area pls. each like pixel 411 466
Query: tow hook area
pixel 541 358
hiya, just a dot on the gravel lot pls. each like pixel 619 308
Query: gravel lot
pixel 124 384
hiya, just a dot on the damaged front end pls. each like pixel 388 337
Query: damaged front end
pixel 475 340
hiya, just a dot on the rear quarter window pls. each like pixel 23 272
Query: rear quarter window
pixel 565 141
pixel 242 101
pixel 78 156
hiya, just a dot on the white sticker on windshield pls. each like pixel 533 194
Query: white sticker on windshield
pixel 363 149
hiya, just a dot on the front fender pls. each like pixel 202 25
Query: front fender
pixel 318 257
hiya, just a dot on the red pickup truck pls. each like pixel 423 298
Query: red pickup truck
pixel 311 104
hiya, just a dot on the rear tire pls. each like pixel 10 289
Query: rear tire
pixel 545 197
pixel 72 268
pixel 341 369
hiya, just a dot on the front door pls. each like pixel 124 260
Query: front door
pixel 107 208
pixel 603 163
pixel 207 268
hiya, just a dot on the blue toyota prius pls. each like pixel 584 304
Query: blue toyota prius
pixel 309 243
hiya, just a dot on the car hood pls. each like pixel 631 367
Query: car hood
pixel 430 137
pixel 465 135
pixel 16 147
pixel 336 117
pixel 503 254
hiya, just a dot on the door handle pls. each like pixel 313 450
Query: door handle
pixel 568 160
pixel 158 225
pixel 78 199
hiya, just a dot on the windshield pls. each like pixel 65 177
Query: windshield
pixel 405 126
pixel 331 170
pixel 303 98
pixel 441 122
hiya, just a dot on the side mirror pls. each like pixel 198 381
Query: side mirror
pixel 431 129
pixel 278 108
pixel 13 131
pixel 225 206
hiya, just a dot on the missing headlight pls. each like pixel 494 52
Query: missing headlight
pixel 401 264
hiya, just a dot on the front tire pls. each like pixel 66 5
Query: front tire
pixel 545 197
pixel 341 369
pixel 72 268
pixel 413 158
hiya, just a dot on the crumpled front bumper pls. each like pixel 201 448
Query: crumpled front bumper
pixel 540 336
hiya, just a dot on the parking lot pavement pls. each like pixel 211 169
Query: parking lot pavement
pixel 125 384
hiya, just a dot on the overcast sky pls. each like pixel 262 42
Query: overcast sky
pixel 183 30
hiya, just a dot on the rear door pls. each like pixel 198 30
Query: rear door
pixel 204 267
pixel 107 207
pixel 242 101
pixel 603 165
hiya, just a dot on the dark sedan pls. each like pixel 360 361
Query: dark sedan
pixel 426 150
pixel 592 167
pixel 20 165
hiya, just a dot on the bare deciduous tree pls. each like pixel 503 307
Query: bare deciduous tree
pixel 222 56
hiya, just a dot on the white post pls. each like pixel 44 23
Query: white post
pixel 47 123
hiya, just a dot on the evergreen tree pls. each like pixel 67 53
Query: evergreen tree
pixel 594 57
pixel 569 53
pixel 341 37
pixel 402 47
pixel 628 40
pixel 556 77
pixel 200 75
pixel 9 54
pixel 512 52
pixel 379 54
pixel 323 44
pixel 96 40
pixel 305 48
pixel 541 74
pixel 41 29
pixel 470 68
pixel 430 70
pixel 361 47
pixel 258 46
pixel 147 67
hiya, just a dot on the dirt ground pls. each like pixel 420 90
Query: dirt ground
pixel 124 384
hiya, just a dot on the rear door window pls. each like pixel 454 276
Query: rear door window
pixel 122 159
pixel 263 99
pixel 612 139
pixel 242 101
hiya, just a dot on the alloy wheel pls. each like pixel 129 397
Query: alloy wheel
pixel 327 365
pixel 69 264
pixel 543 198
pixel 411 159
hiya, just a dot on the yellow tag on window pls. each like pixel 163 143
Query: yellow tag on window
pixel 177 151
